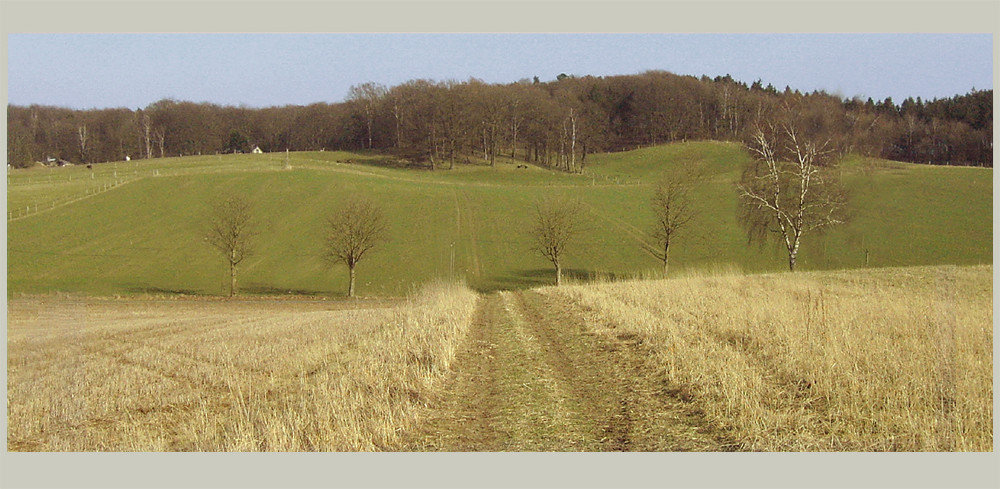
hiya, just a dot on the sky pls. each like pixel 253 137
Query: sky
pixel 84 71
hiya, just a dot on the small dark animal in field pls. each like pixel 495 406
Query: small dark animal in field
pixel 90 167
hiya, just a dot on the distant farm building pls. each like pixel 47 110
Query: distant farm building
pixel 50 161
pixel 256 150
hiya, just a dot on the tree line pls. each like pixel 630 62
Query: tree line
pixel 789 189
pixel 557 123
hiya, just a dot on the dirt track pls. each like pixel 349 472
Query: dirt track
pixel 532 378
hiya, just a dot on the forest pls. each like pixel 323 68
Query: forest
pixel 437 124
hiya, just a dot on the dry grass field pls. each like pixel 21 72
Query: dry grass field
pixel 86 375
pixel 864 360
pixel 894 359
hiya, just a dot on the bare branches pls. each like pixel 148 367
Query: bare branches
pixel 556 222
pixel 789 187
pixel 81 133
pixel 232 230
pixel 368 95
pixel 352 233
pixel 672 206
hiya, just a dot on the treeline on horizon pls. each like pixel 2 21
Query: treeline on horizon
pixel 556 123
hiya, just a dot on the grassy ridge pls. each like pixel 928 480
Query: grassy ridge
pixel 145 235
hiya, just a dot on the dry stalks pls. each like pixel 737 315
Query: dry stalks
pixel 867 360
pixel 103 375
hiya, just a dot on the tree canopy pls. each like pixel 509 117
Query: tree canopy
pixel 555 123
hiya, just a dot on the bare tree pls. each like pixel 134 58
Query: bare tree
pixel 82 133
pixel 352 232
pixel 557 220
pixel 232 232
pixel 572 118
pixel 672 206
pixel 160 138
pixel 369 95
pixel 146 126
pixel 789 187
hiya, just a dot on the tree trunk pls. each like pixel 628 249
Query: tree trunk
pixel 666 248
pixel 146 137
pixel 232 279
pixel 82 132
pixel 369 130
pixel 399 133
pixel 350 289
pixel 486 151
pixel 793 253
pixel 572 150
pixel 558 273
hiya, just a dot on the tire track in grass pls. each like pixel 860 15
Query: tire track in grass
pixel 503 396
pixel 633 407
pixel 470 234
pixel 532 377
pixel 464 415
pixel 473 242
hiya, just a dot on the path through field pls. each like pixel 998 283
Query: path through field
pixel 532 378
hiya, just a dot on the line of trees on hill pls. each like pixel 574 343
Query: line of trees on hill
pixel 556 123
pixel 789 189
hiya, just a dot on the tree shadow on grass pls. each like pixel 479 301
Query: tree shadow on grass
pixel 164 291
pixel 541 277
pixel 248 290
pixel 259 289
pixel 389 161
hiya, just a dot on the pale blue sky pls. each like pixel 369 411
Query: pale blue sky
pixel 258 70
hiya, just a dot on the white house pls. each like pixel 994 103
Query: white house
pixel 256 150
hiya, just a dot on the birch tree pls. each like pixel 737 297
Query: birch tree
pixel 160 137
pixel 82 134
pixel 146 127
pixel 789 189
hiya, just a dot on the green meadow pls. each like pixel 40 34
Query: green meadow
pixel 136 228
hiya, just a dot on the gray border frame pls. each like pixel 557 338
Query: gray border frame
pixel 507 469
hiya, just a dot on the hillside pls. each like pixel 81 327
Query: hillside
pixel 137 227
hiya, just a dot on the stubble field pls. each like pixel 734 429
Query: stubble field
pixel 864 360
pixel 105 375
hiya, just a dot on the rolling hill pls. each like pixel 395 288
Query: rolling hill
pixel 134 228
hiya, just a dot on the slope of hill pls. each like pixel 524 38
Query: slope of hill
pixel 137 227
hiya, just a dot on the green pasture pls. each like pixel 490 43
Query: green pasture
pixel 143 234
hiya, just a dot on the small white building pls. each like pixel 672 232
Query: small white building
pixel 256 150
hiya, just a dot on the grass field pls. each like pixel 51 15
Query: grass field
pixel 136 228
pixel 883 342
pixel 864 360
pixel 106 375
